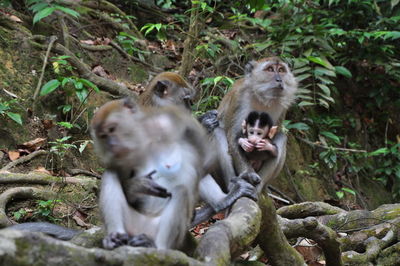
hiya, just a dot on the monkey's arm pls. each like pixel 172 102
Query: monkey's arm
pixel 53 230
pixel 113 205
pixel 217 200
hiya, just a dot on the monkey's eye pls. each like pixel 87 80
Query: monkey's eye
pixel 281 69
pixel 111 129
pixel 259 133
pixel 270 69
pixel 251 132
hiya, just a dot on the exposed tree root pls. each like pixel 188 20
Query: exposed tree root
pixel 306 209
pixel 272 240
pixel 44 179
pixel 24 159
pixel 321 234
pixel 227 238
pixel 20 193
pixel 26 248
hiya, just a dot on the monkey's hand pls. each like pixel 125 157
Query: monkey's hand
pixel 114 240
pixel 141 240
pixel 266 145
pixel 251 177
pixel 209 120
pixel 246 145
pixel 152 188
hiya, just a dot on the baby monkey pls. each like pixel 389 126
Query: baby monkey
pixel 258 131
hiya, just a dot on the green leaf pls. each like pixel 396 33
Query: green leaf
pixel 38 6
pixel 394 3
pixel 339 194
pixel 317 60
pixel 68 11
pixel 43 13
pixel 83 145
pixel 49 87
pixel 331 136
pixel 305 103
pixel 324 88
pixel 298 126
pixel 15 117
pixel 302 77
pixel 343 71
pixel 320 71
pixel 379 152
pixel 82 94
pixel 348 190
pixel 89 84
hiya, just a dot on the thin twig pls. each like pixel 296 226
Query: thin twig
pixel 52 40
pixel 313 144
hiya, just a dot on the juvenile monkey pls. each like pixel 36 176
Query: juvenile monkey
pixel 168 88
pixel 257 131
pixel 165 144
pixel 268 86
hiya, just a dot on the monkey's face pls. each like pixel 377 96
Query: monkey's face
pixel 271 80
pixel 168 93
pixel 255 134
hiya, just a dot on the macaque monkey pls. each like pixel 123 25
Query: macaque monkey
pixel 167 88
pixel 257 131
pixel 155 158
pixel 268 86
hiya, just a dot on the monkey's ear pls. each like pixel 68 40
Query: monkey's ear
pixel 249 67
pixel 272 132
pixel 130 104
pixel 161 88
pixel 244 127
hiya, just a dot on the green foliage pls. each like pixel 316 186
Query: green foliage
pixel 127 42
pixel 45 210
pixel 209 50
pixel 44 8
pixel 340 193
pixel 71 85
pixel 20 214
pixel 5 110
pixel 159 28
pixel 60 147
pixel 211 91
pixel 287 125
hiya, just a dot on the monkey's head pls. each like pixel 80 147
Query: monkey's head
pixel 113 129
pixel 171 89
pixel 271 80
pixel 257 126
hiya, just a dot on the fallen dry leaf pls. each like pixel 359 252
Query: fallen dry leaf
pixel 79 219
pixel 13 155
pixel 32 145
pixel 41 169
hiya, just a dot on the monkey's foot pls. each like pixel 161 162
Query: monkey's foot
pixel 141 240
pixel 251 177
pixel 209 120
pixel 242 188
pixel 114 240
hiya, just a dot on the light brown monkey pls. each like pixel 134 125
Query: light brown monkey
pixel 163 144
pixel 268 86
pixel 168 88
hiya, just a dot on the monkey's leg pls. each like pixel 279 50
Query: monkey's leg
pixel 272 167
pixel 217 200
pixel 174 220
pixel 113 204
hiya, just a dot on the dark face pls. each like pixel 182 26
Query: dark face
pixel 255 133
